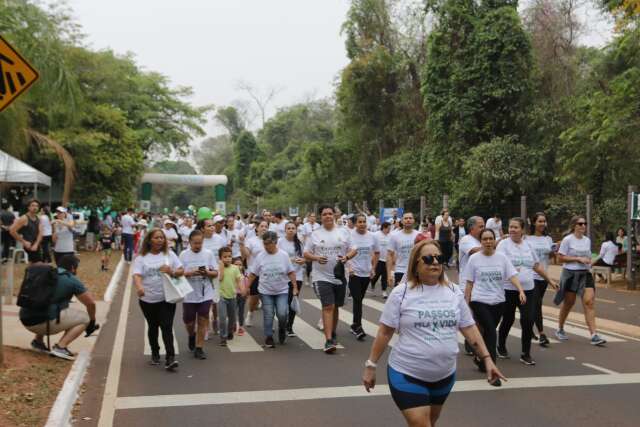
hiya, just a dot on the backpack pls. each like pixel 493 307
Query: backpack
pixel 38 286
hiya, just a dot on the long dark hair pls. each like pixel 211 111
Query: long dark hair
pixel 146 243
pixel 532 228
pixel 608 236
pixel 296 242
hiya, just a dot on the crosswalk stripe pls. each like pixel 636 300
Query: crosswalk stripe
pixel 244 343
pixel 147 347
pixel 311 336
pixel 370 328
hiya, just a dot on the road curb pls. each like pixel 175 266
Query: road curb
pixel 113 283
pixel 60 414
pixel 603 325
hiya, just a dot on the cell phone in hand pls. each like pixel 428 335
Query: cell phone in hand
pixel 202 269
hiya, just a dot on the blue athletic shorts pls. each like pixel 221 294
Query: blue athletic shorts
pixel 409 392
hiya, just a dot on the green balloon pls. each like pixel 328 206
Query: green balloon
pixel 204 213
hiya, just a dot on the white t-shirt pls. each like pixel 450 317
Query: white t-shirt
pixel 171 236
pixel 494 225
pixel 309 228
pixel 371 223
pixel 428 319
pixel 255 247
pixel 383 243
pixel 543 245
pixel 185 232
pixel 127 223
pixel 608 252
pixel 64 238
pixel 523 257
pixel 148 266
pixel 439 221
pixel 234 242
pixel 46 225
pixel 574 247
pixel 366 244
pixel 466 245
pixel 488 274
pixel 290 249
pixel 401 244
pixel 249 231
pixel 280 228
pixel 273 270
pixel 330 244
pixel 214 243
pixel 202 286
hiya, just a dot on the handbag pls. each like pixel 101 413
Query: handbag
pixel 175 288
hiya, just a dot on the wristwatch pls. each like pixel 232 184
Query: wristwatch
pixel 370 364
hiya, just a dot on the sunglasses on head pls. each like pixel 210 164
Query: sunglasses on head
pixel 429 259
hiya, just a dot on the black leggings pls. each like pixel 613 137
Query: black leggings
pixel 358 287
pixel 381 272
pixel 292 314
pixel 447 249
pixel 540 288
pixel 159 315
pixel 509 316
pixel 488 318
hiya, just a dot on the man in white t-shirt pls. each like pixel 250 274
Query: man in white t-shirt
pixel 495 224
pixel 127 222
pixel 470 244
pixel 328 248
pixel 400 245
pixel 279 224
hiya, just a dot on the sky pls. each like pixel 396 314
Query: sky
pixel 293 46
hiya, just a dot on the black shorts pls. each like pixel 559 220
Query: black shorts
pixel 254 287
pixel 576 280
pixel 330 293
pixel 409 392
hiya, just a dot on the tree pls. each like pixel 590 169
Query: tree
pixel 245 152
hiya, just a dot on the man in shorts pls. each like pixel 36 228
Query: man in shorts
pixel 325 248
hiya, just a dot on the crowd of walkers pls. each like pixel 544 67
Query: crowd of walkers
pixel 237 266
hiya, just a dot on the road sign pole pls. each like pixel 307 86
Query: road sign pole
pixel 589 218
pixel 631 271
pixel 423 208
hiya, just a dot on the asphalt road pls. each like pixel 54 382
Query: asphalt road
pixel 573 383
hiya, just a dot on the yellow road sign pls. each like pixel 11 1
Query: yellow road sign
pixel 16 75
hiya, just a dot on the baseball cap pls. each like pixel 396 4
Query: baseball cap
pixel 218 218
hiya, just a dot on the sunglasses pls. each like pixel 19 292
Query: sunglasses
pixel 581 223
pixel 429 259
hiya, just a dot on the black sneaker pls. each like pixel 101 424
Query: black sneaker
pixel 223 342
pixel 503 353
pixel 199 354
pixel 230 336
pixel 155 359
pixel 527 360
pixel 360 335
pixel 329 347
pixel 171 364
pixel 39 346
pixel 354 330
pixel 496 383
pixel 544 341
pixel 192 342
pixel 282 335
pixel 269 343
pixel 290 333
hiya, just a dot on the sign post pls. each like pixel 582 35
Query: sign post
pixel 633 203
pixel 16 75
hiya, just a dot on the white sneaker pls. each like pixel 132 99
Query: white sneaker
pixel 320 324
pixel 248 321
pixel 385 295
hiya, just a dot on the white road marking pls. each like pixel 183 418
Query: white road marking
pixel 243 344
pixel 310 335
pixel 109 399
pixel 260 396
pixel 147 347
pixel 601 369
pixel 370 328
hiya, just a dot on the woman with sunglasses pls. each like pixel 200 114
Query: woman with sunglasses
pixel 428 311
pixel 524 259
pixel 542 243
pixel 485 273
pixel 576 279
pixel 276 272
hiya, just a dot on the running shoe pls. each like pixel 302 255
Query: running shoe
pixel 39 346
pixel 496 383
pixel 282 335
pixel 527 360
pixel 329 347
pixel 320 324
pixel 596 340
pixel 544 341
pixel 171 364
pixel 503 353
pixel 155 359
pixel 199 354
pixel 229 336
pixel 354 330
pixel 290 333
pixel 385 295
pixel 561 335
pixel 61 352
pixel 361 335
pixel 269 343
pixel 248 321
pixel 240 331
pixel 223 342
pixel 192 342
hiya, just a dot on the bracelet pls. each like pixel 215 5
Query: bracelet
pixel 370 364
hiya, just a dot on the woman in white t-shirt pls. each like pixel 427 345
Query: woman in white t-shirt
pixel 609 250
pixel 154 259
pixel 485 274
pixel 276 272
pixel 171 235
pixel 428 311
pixel 251 247
pixel 543 245
pixel 292 245
pixel 62 234
pixel 576 279
pixel 524 259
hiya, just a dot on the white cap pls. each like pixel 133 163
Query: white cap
pixel 61 209
pixel 168 221
pixel 142 222
pixel 218 218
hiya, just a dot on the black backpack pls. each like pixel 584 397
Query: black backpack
pixel 38 286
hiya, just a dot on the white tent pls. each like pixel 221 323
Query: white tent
pixel 15 171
